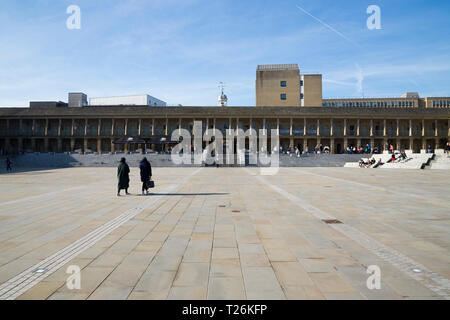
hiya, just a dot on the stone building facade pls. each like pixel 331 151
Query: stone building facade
pixel 95 128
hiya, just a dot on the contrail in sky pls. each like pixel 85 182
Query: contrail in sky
pixel 328 26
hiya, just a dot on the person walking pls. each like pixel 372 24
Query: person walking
pixel 123 176
pixel 146 174
pixel 8 164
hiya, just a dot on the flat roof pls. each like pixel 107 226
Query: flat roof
pixel 277 67
pixel 218 112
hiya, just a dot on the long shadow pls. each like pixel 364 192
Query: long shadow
pixel 184 194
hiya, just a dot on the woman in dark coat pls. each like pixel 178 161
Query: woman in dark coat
pixel 123 176
pixel 146 174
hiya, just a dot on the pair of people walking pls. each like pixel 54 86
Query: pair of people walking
pixel 123 176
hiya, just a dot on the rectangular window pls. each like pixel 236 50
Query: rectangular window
pixel 283 83
pixel 283 96
pixel 301 83
pixel 301 96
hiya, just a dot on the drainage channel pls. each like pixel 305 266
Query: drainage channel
pixel 415 270
pixel 21 283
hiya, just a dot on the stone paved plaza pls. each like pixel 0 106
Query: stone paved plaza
pixel 226 233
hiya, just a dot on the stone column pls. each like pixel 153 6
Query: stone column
pixel 411 144
pixel 372 143
pixel 384 128
pixel 371 127
pixel 72 129
pixel 398 128
pixel 410 127
pixel 86 124
pixel 331 127
pixel 99 127
pixel 332 151
pixel 345 130
pixel 304 126
pixel 167 127
pixel 318 127
pixel 424 144
pixel 46 129
pixel 59 145
pixel 59 130
pixel 72 144
pixel 436 144
pixel 278 126
pixel 398 144
pixel 126 129
pixel 264 126
pixel 345 143
pixel 290 128
pixel 99 146
pixel 357 127
pixel 214 126
pixel 305 144
pixel 358 142
pixel 436 128
pixel 112 127
pixel 113 147
pixel 85 144
pixel 45 144
pixel 423 128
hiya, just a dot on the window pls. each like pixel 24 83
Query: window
pixel 283 83
pixel 434 103
pixel 301 83
pixel 283 96
pixel 301 96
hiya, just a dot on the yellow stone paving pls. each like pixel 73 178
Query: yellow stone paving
pixel 223 234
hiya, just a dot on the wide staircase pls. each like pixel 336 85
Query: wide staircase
pixel 441 161
pixel 74 159
pixel 413 161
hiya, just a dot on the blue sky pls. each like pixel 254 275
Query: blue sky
pixel 178 51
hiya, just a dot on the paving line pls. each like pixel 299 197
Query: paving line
pixel 49 194
pixel 405 194
pixel 397 259
pixel 21 283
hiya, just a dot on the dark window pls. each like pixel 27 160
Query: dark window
pixel 301 95
pixel 301 83
pixel 283 96
pixel 283 83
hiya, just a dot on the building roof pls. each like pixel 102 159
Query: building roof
pixel 277 67
pixel 218 112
